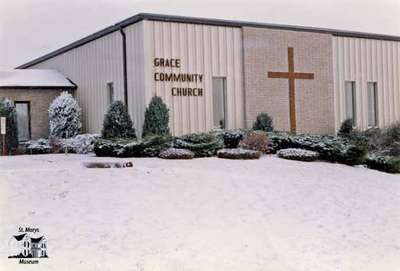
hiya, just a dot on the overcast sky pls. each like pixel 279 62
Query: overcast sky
pixel 32 28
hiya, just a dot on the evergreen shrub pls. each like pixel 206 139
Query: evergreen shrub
pixel 346 128
pixel 82 144
pixel 202 144
pixel 150 146
pixel 156 118
pixel 64 116
pixel 330 148
pixel 39 146
pixel 264 123
pixel 117 122
pixel 232 138
pixel 390 164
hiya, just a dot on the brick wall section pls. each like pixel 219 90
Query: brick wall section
pixel 40 100
pixel 266 50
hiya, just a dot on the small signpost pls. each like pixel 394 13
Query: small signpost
pixel 3 132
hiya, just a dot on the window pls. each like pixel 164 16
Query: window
pixel 110 92
pixel 23 120
pixel 350 101
pixel 372 89
pixel 219 102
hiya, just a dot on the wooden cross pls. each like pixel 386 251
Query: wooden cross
pixel 291 75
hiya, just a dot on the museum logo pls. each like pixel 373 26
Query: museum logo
pixel 28 246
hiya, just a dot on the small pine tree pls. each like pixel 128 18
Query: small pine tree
pixel 263 123
pixel 64 116
pixel 156 118
pixel 7 110
pixel 346 128
pixel 117 122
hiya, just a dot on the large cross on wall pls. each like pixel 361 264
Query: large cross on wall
pixel 291 75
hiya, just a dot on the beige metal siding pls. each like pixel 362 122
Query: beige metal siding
pixel 363 61
pixel 135 69
pixel 209 50
pixel 91 66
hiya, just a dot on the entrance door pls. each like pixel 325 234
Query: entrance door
pixel 23 121
pixel 219 102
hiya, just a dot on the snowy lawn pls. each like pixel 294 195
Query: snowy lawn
pixel 201 214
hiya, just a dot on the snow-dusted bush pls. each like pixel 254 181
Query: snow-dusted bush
pixel 64 116
pixel 39 146
pixel 148 147
pixel 7 109
pixel 117 122
pixel 156 118
pixel 298 154
pixel 202 144
pixel 238 154
pixel 263 123
pixel 330 148
pixel 390 164
pixel 346 128
pixel 232 138
pixel 256 141
pixel 81 144
pixel 173 153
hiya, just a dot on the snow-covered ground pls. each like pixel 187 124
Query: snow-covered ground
pixel 202 214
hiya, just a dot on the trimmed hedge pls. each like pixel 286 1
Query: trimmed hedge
pixel 148 147
pixel 201 144
pixel 330 148
pixel 173 153
pixel 298 154
pixel 238 154
pixel 388 164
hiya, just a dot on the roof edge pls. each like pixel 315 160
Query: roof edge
pixel 39 87
pixel 197 20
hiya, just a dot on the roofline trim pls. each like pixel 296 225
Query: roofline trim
pixel 196 20
pixel 39 87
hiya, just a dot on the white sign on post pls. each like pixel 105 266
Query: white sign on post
pixel 3 125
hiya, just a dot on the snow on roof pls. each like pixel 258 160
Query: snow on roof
pixel 34 78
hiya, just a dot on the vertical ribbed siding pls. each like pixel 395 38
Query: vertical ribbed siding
pixel 363 61
pixel 209 50
pixel 135 69
pixel 91 66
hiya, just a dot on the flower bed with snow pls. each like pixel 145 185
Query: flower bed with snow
pixel 173 153
pixel 238 154
pixel 298 154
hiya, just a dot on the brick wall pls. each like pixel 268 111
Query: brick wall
pixel 266 50
pixel 40 100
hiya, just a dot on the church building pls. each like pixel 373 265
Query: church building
pixel 218 73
